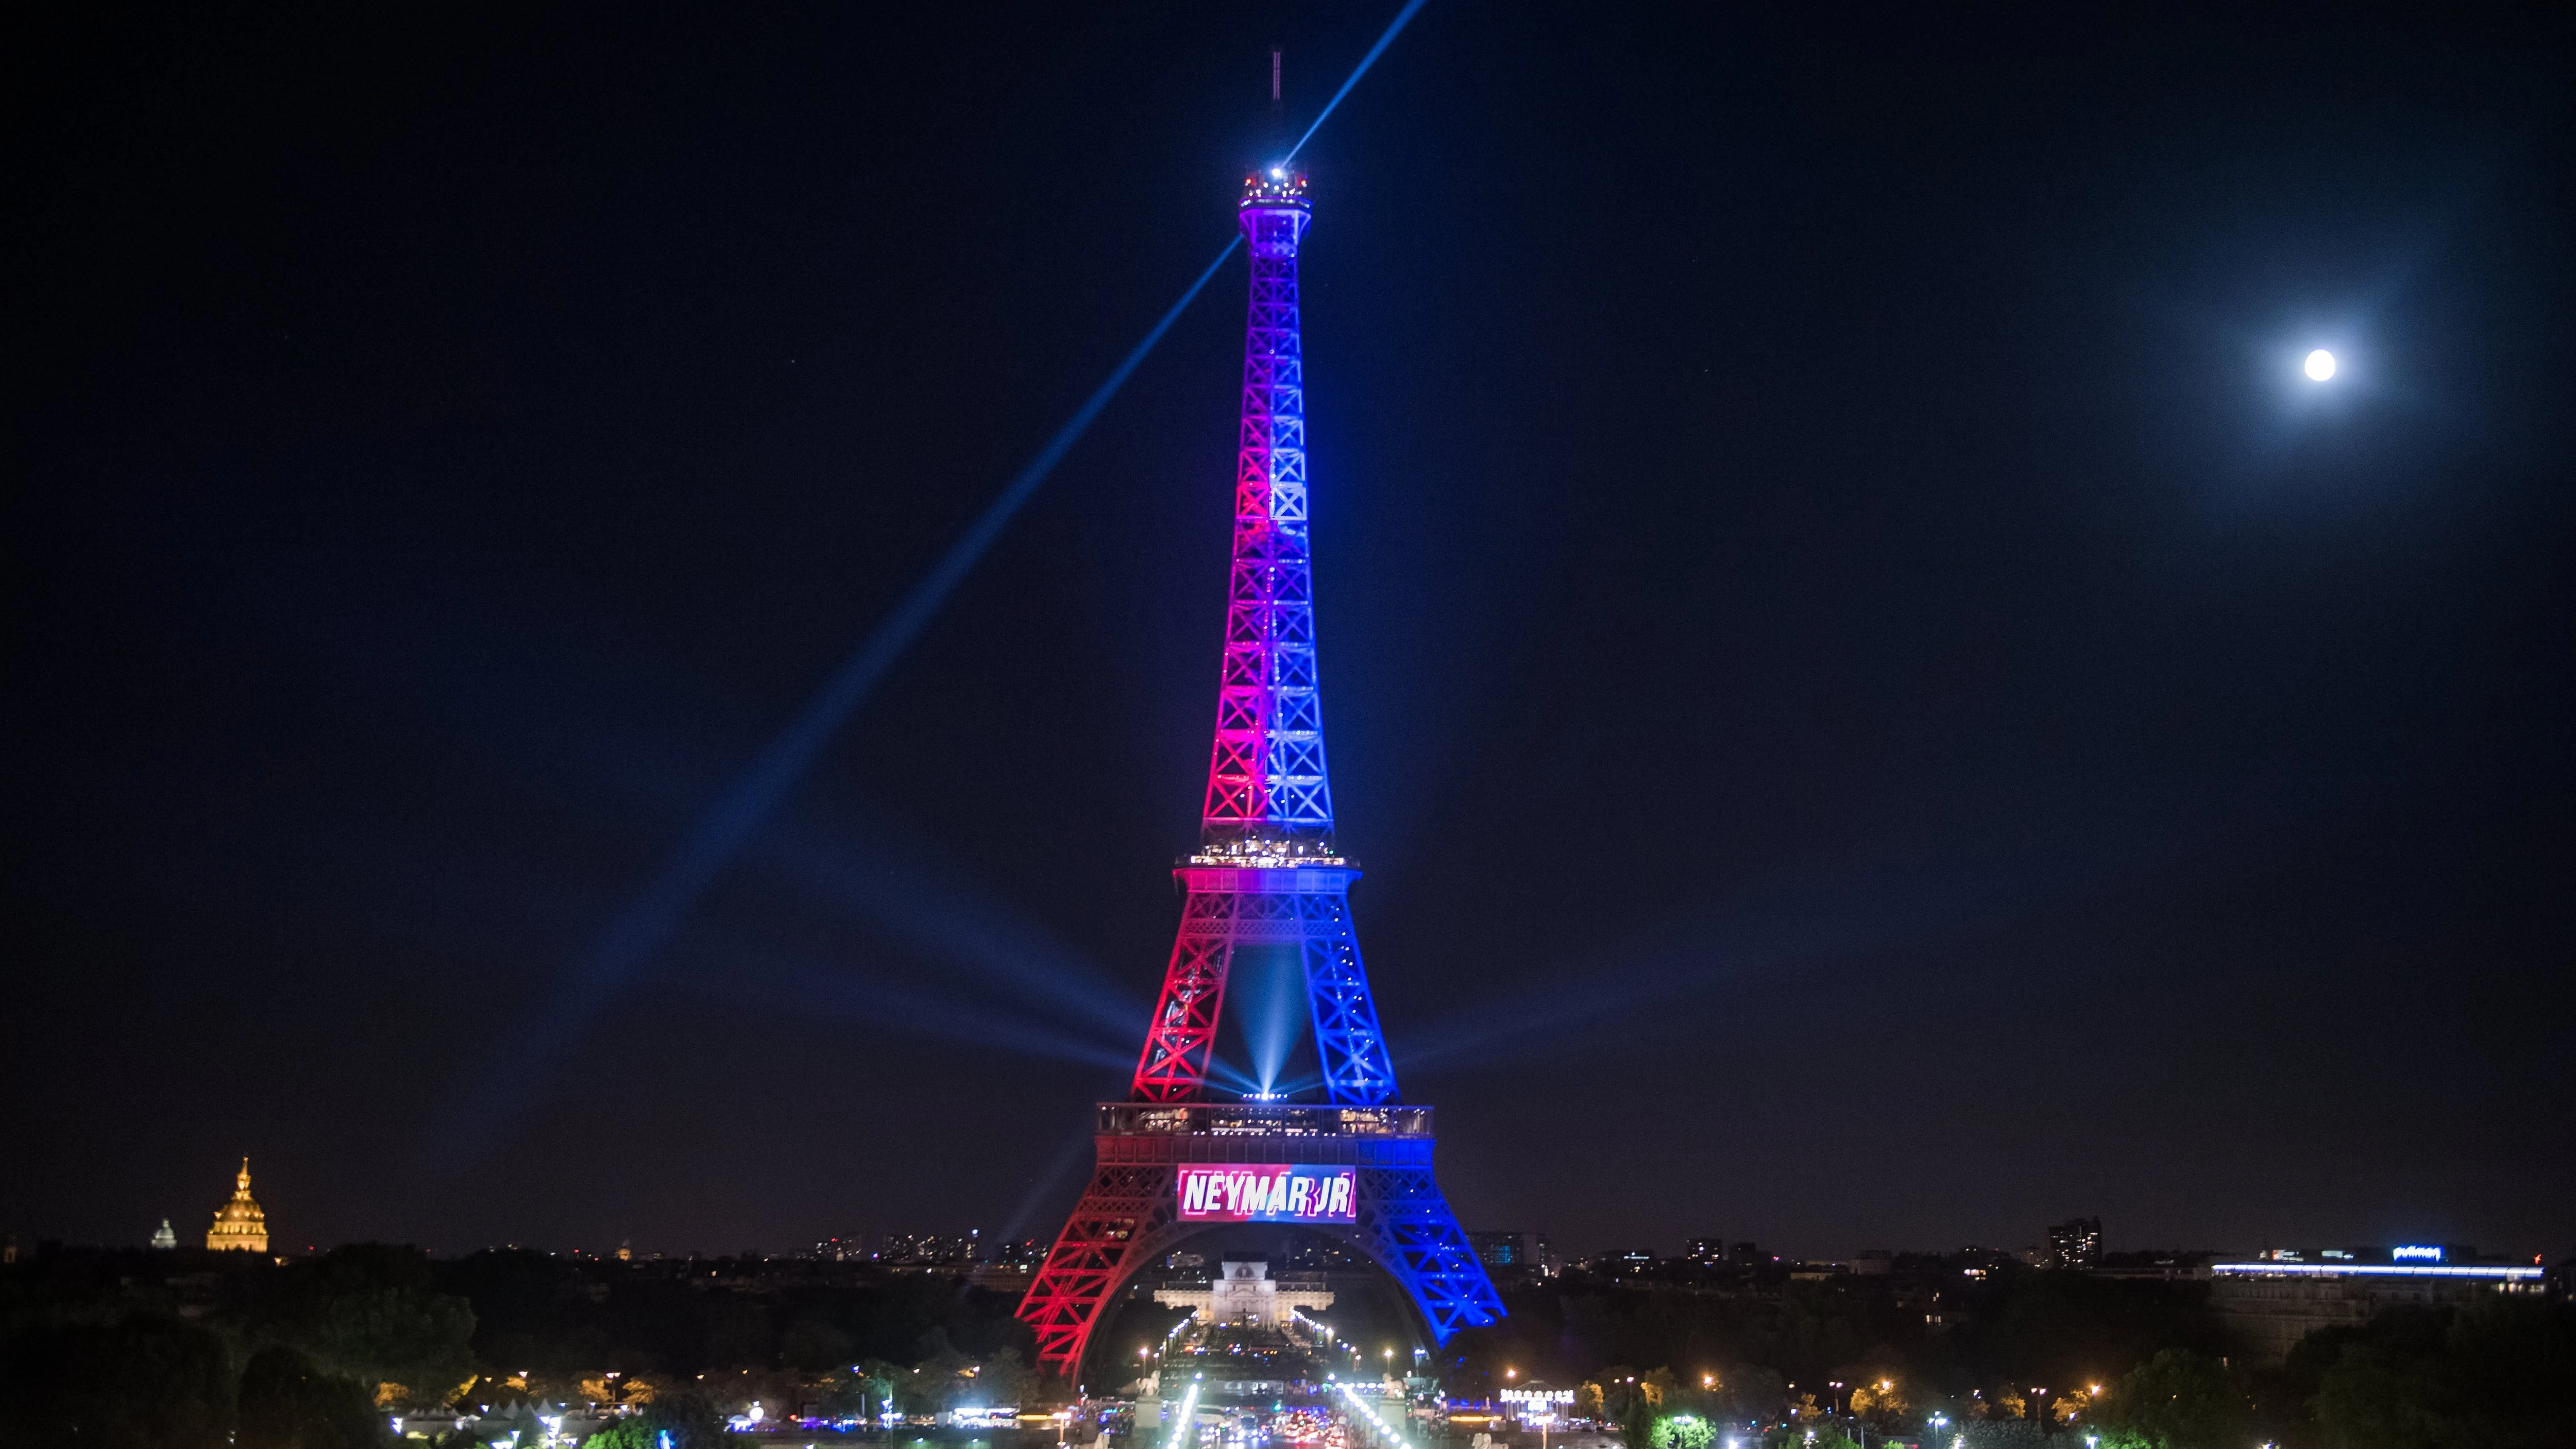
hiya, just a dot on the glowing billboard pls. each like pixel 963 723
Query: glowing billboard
pixel 1267 1192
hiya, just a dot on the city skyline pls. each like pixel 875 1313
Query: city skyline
pixel 970 1243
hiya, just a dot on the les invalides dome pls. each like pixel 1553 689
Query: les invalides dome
pixel 239 1225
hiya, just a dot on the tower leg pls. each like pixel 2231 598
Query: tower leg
pixel 1348 1044
pixel 1120 1224
pixel 1174 1065
pixel 1408 1228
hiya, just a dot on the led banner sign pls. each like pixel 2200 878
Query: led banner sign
pixel 1267 1192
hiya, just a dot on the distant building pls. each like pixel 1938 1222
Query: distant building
pixel 2074 1243
pixel 1501 1250
pixel 240 1226
pixel 164 1237
pixel 1243 1295
pixel 1631 1263
pixel 2165 1263
pixel 2267 1304
pixel 932 1248
pixel 1706 1250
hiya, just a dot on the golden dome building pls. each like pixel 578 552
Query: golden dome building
pixel 239 1225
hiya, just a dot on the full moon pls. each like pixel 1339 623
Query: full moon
pixel 2321 364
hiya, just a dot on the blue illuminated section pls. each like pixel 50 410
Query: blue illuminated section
pixel 2270 1269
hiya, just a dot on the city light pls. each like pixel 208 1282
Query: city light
pixel 1188 1416
pixel 1385 1429
pixel 2374 1270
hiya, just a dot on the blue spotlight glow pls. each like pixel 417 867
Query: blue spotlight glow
pixel 733 971
pixel 648 920
pixel 1272 1011
pixel 894 884
pixel 1403 18
pixel 1066 1159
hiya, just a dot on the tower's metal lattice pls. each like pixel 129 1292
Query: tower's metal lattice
pixel 1266 875
pixel 1266 779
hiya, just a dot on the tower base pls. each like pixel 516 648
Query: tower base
pixel 1130 1214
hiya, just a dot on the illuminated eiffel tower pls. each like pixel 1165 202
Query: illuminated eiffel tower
pixel 1173 1159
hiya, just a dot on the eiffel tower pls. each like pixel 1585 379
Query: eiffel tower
pixel 1179 1156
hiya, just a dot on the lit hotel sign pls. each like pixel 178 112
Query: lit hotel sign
pixel 2416 1252
pixel 1267 1192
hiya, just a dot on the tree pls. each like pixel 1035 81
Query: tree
pixel 738 1335
pixel 812 1344
pixel 1629 1399
pixel 288 1404
pixel 2177 1400
pixel 687 1416
pixel 371 1312
pixel 1880 1398
pixel 1009 1379
pixel 2497 1374
pixel 149 1379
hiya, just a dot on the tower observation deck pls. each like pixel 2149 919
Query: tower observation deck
pixel 1176 1159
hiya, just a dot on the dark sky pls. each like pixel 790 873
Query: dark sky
pixel 1878 706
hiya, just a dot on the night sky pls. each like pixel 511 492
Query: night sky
pixel 1878 706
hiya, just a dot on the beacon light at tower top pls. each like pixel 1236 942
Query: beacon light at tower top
pixel 1275 186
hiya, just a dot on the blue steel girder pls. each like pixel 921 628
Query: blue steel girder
pixel 1417 1239
pixel 1348 1044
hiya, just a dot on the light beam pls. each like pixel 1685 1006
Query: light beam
pixel 649 919
pixel 1394 27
